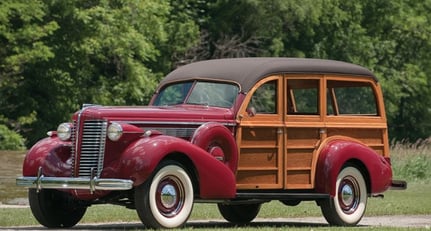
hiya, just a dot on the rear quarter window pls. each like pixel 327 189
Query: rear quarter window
pixel 351 98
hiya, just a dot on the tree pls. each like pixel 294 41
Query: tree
pixel 182 33
pixel 57 55
pixel 402 30
pixel 22 33
pixel 98 52
pixel 392 38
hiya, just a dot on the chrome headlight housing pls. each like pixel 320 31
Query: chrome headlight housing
pixel 115 131
pixel 64 131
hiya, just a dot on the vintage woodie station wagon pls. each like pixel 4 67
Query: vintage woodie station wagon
pixel 236 132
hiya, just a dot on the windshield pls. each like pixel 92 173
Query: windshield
pixel 198 93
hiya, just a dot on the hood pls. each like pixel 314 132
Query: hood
pixel 180 113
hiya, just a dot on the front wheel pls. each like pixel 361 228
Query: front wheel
pixel 165 200
pixel 55 209
pixel 348 205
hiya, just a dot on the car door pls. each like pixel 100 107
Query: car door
pixel 260 136
pixel 305 128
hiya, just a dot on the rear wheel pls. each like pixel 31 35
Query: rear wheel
pixel 239 214
pixel 348 205
pixel 55 209
pixel 165 200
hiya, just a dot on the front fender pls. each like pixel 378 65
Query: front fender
pixel 336 152
pixel 50 153
pixel 141 158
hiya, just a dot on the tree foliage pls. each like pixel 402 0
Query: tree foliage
pixel 96 52
pixel 392 38
pixel 57 55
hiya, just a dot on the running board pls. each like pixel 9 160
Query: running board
pixel 281 196
pixel 263 197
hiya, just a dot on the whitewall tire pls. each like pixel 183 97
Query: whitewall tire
pixel 348 205
pixel 165 200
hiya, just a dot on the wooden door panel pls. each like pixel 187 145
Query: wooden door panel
pixel 260 137
pixel 260 160
pixel 261 179
pixel 300 146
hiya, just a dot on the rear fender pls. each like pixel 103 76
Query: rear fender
pixel 335 152
pixel 141 158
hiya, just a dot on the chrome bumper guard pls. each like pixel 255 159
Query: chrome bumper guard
pixel 92 184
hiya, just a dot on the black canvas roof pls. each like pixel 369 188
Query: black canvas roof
pixel 247 71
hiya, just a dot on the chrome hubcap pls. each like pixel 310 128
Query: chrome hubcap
pixel 170 196
pixel 349 195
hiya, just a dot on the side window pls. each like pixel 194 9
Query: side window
pixel 264 99
pixel 303 96
pixel 351 98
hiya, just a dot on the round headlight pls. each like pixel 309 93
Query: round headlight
pixel 115 131
pixel 64 131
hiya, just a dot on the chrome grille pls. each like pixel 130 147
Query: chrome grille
pixel 93 137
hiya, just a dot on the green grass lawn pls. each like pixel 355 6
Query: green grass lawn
pixel 415 200
pixel 410 162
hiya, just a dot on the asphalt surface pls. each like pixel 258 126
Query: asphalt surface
pixel 406 221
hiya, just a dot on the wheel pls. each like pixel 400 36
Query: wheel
pixel 55 209
pixel 290 202
pixel 348 205
pixel 165 200
pixel 239 214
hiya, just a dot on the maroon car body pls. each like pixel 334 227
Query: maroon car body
pixel 200 140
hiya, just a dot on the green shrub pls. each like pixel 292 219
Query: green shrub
pixel 417 168
pixel 10 140
pixel 412 161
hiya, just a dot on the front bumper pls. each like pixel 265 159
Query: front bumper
pixel 92 184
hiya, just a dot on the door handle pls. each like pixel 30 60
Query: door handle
pixel 280 131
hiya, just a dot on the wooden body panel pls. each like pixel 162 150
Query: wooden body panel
pixel 299 151
pixel 281 150
pixel 260 145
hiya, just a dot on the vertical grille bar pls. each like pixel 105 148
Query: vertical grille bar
pixel 73 150
pixel 93 137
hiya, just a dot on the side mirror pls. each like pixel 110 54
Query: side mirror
pixel 251 111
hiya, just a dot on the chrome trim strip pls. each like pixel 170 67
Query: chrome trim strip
pixel 77 139
pixel 168 123
pixel 173 131
pixel 102 148
pixel 73 139
pixel 42 182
